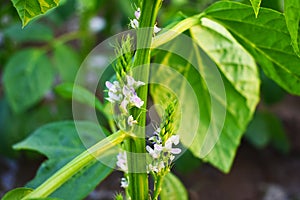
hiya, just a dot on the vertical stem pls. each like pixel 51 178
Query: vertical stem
pixel 138 182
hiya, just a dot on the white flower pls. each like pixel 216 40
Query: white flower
pixel 174 139
pixel 155 153
pixel 156 29
pixel 130 98
pixel 132 83
pixel 137 13
pixel 124 183
pixel 131 121
pixel 122 161
pixel 134 23
pixel 114 91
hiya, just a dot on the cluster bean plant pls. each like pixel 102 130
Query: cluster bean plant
pixel 200 74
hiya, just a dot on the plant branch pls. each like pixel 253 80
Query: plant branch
pixel 82 160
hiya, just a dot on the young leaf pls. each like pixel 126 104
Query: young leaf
pixel 80 94
pixel 27 77
pixel 29 9
pixel 292 18
pixel 60 142
pixel 266 37
pixel 255 5
pixel 224 112
pixel 17 193
pixel 173 189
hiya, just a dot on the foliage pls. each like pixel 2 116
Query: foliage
pixel 218 74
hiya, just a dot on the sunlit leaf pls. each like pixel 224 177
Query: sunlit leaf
pixel 292 18
pixel 29 9
pixel 173 189
pixel 226 101
pixel 266 37
pixel 255 5
pixel 17 193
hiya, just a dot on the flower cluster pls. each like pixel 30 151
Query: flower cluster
pixel 134 23
pixel 124 94
pixel 162 153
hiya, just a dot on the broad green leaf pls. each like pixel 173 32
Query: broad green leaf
pixel 28 75
pixel 80 94
pixel 173 189
pixel 292 18
pixel 61 142
pixel 224 112
pixel 258 131
pixel 29 9
pixel 267 38
pixel 66 61
pixel 267 129
pixel 17 193
pixel 33 32
pixel 255 5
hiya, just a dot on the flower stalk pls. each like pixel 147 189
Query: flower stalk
pixel 138 187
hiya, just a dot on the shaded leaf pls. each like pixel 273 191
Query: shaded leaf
pixel 292 18
pixel 173 189
pixel 61 142
pixel 29 9
pixel 267 38
pixel 80 94
pixel 267 129
pixel 33 32
pixel 27 77
pixel 66 62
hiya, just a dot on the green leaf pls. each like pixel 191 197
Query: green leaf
pixel 33 32
pixel 255 5
pixel 292 18
pixel 29 9
pixel 66 61
pixel 258 133
pixel 226 103
pixel 80 94
pixel 173 189
pixel 27 78
pixel 17 193
pixel 267 38
pixel 60 142
pixel 267 129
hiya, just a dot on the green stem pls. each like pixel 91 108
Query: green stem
pixel 175 31
pixel 82 160
pixel 157 186
pixel 138 182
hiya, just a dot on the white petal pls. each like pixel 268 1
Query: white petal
pixel 175 151
pixel 108 84
pixel 134 23
pixel 156 29
pixel 137 13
